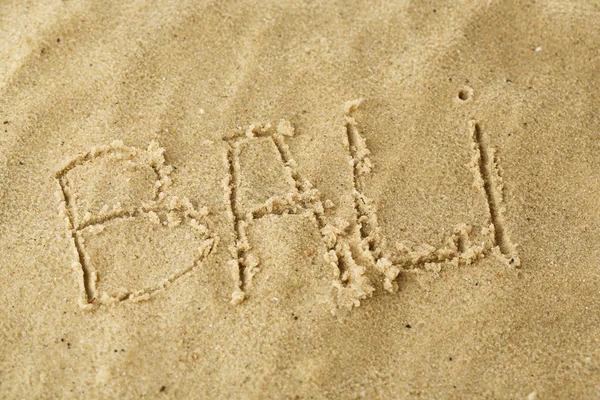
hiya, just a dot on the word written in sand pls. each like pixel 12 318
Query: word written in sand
pixel 133 239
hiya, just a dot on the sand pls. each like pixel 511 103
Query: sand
pixel 300 199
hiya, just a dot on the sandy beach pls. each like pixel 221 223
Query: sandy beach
pixel 300 199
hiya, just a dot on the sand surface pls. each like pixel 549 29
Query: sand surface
pixel 300 199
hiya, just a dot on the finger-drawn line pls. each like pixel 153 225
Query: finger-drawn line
pixel 370 231
pixel 240 242
pixel 458 250
pixel 155 159
pixel 100 219
pixel 83 264
pixel 361 165
pixel 490 181
pixel 229 199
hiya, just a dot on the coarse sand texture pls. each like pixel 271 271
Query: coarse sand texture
pixel 300 199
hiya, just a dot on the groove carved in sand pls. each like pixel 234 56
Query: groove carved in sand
pixel 490 182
